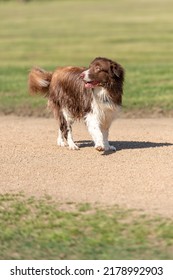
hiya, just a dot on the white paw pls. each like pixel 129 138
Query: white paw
pixel 73 147
pixel 99 148
pixel 61 143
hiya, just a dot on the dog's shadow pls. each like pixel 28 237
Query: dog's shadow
pixel 125 145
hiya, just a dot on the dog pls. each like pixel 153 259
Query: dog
pixel 93 94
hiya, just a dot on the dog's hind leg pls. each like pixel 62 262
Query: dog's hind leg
pixel 66 128
pixel 72 145
pixel 58 116
pixel 60 139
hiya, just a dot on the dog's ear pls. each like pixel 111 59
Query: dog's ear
pixel 116 70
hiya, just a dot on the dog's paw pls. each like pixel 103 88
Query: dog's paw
pixel 73 147
pixel 61 143
pixel 111 148
pixel 99 148
pixel 107 148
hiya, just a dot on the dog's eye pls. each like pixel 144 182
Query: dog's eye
pixel 98 69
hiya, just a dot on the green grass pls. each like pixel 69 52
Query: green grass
pixel 42 229
pixel 138 34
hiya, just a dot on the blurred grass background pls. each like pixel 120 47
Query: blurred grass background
pixel 136 33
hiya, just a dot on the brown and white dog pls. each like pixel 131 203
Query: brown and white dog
pixel 94 94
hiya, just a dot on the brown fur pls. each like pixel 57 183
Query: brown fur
pixel 34 76
pixel 110 75
pixel 67 90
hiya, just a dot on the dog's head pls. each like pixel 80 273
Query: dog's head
pixel 102 72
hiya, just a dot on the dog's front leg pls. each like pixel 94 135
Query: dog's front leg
pixel 94 129
pixel 106 142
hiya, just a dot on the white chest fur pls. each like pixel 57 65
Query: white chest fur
pixel 100 118
pixel 103 108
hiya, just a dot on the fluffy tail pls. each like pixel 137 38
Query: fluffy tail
pixel 39 81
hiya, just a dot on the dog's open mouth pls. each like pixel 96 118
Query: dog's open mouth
pixel 91 84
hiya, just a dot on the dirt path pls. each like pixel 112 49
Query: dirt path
pixel 139 175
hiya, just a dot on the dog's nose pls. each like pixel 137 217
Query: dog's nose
pixel 82 75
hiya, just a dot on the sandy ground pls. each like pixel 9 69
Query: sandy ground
pixel 139 175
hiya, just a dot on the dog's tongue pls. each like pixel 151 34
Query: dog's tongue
pixel 91 84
